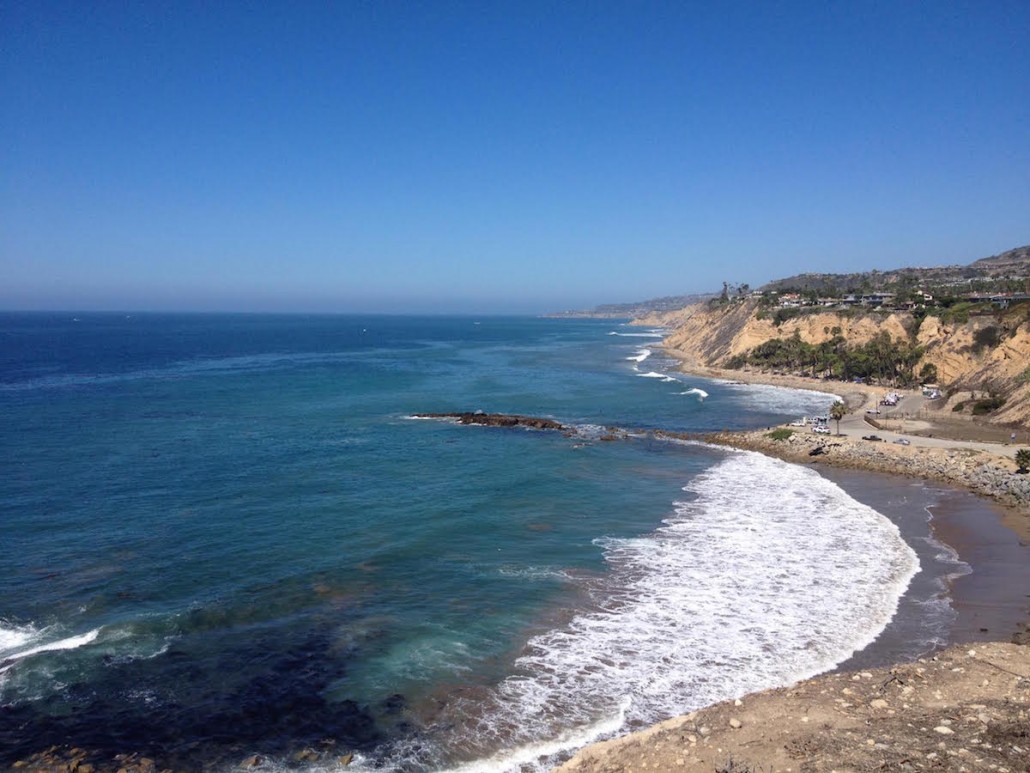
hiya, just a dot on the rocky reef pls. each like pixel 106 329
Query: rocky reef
pixel 495 419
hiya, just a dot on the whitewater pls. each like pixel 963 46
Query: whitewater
pixel 726 598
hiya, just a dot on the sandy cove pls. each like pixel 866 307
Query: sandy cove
pixel 965 709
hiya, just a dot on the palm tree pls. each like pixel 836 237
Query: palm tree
pixel 837 412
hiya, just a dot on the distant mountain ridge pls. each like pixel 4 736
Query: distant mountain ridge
pixel 639 308
pixel 1011 265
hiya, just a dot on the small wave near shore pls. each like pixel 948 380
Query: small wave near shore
pixel 729 596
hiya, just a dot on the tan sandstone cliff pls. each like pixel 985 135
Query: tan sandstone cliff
pixel 708 336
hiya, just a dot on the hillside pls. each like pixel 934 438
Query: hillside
pixel 971 358
pixel 1009 270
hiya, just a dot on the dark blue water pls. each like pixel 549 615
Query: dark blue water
pixel 224 535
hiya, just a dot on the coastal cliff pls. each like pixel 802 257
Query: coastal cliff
pixel 972 356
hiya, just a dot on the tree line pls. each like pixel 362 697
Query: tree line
pixel 882 358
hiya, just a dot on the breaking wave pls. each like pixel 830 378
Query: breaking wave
pixel 729 596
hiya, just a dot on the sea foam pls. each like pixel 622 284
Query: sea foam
pixel 654 374
pixel 783 400
pixel 649 334
pixel 699 393
pixel 14 636
pixel 69 643
pixel 732 594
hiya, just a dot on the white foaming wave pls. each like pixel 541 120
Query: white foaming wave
pixel 70 643
pixel 14 636
pixel 654 374
pixel 701 394
pixel 535 573
pixel 650 334
pixel 785 400
pixel 733 594
pixel 531 754
pixel 640 355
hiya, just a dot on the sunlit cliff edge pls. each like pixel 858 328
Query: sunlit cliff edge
pixel 711 335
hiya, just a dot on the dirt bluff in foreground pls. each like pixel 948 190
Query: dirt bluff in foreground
pixel 967 709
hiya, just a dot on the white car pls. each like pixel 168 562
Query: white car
pixel 821 430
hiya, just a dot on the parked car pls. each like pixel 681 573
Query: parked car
pixel 903 441
pixel 821 430
pixel 874 438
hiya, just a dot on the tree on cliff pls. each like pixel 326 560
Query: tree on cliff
pixel 837 412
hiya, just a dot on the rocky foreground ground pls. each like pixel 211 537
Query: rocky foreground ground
pixel 966 709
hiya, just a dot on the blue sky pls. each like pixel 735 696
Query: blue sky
pixel 511 157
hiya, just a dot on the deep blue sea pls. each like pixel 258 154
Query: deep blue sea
pixel 225 535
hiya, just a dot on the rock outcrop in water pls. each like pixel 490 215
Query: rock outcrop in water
pixel 495 420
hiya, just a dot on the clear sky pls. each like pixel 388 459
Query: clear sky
pixel 497 156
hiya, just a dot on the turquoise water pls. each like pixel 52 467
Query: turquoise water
pixel 226 535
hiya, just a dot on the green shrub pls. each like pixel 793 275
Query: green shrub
pixel 986 338
pixel 957 314
pixel 987 405
pixel 1024 377
pixel 780 434
pixel 782 315
pixel 959 406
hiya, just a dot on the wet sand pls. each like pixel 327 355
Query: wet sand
pixel 996 595
pixel 988 585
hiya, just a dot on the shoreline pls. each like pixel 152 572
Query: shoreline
pixel 879 709
pixel 986 474
pixel 989 586
pixel 985 469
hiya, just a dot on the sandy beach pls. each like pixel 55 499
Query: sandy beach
pixel 984 513
pixel 963 708
pixel 990 597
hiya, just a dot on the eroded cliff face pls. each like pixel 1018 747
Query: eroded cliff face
pixel 710 336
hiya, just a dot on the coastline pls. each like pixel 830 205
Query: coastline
pixel 1000 496
pixel 879 709
pixel 985 469
pixel 988 580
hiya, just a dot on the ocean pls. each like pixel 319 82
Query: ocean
pixel 226 535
